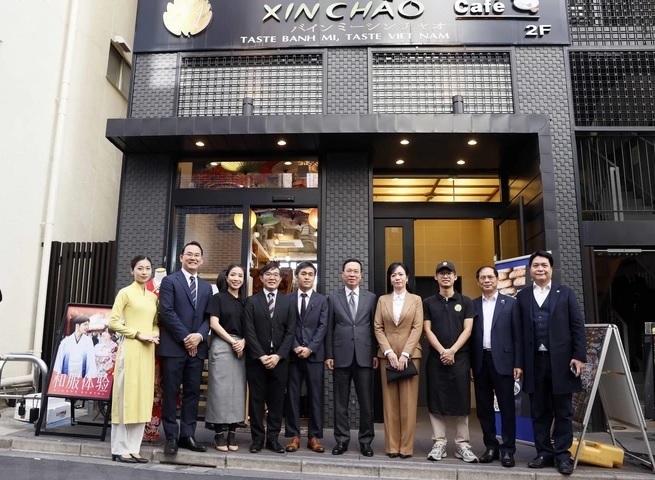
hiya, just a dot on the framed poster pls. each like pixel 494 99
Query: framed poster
pixel 83 364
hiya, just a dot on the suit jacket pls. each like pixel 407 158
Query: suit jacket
pixel 506 336
pixel 311 330
pixel 350 339
pixel 566 335
pixel 179 317
pixel 404 337
pixel 259 328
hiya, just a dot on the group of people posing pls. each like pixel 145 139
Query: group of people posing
pixel 272 342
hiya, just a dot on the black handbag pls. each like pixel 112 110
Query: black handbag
pixel 394 375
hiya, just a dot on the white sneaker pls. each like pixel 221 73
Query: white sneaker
pixel 464 452
pixel 438 452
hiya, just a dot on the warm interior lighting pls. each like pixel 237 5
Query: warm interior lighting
pixel 200 143
pixel 312 218
pixel 400 161
pixel 215 164
pixel 472 142
pixel 287 163
pixel 404 141
pixel 281 142
pixel 238 219
pixel 461 162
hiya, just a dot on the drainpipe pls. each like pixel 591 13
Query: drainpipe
pixel 458 104
pixel 247 106
pixel 56 155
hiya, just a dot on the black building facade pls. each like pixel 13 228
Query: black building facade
pixel 560 100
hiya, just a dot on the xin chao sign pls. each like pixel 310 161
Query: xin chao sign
pixel 192 25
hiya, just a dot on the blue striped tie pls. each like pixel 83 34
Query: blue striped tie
pixel 192 287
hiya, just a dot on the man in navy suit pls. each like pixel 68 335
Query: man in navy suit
pixel 307 361
pixel 554 356
pixel 183 298
pixel 350 349
pixel 496 350
pixel 269 324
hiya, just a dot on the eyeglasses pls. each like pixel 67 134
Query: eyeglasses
pixel 271 275
pixel 193 255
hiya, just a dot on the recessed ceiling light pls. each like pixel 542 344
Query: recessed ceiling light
pixel 400 161
pixel 281 143
pixel 404 141
pixel 472 142
pixel 200 143
pixel 215 164
pixel 287 163
pixel 461 162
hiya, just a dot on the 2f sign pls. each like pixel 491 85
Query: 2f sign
pixel 537 30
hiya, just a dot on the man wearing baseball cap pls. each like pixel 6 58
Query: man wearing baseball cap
pixel 448 320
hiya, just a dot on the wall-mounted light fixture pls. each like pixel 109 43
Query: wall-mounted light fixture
pixel 238 219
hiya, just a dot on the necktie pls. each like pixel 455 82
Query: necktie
pixel 194 292
pixel 271 304
pixel 303 305
pixel 351 303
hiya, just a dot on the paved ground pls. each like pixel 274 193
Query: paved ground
pixel 18 436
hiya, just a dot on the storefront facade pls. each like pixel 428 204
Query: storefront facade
pixel 354 87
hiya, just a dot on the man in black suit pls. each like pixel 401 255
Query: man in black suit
pixel 496 350
pixel 183 298
pixel 307 361
pixel 554 357
pixel 350 354
pixel 269 325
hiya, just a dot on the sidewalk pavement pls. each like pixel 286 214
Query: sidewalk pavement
pixel 19 437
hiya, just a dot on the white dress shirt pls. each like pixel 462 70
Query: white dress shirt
pixel 488 308
pixel 540 294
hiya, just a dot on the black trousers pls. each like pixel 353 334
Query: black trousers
pixel 267 388
pixel 312 373
pixel 176 371
pixel 486 382
pixel 362 377
pixel 546 407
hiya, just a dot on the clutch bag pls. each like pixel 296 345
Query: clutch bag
pixel 395 375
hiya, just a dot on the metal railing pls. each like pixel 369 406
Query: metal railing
pixel 617 176
pixel 42 372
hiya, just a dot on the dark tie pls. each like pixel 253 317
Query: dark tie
pixel 303 305
pixel 194 292
pixel 351 303
pixel 271 304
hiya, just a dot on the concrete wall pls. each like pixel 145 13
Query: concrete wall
pixel 32 42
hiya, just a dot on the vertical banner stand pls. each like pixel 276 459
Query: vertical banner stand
pixel 607 372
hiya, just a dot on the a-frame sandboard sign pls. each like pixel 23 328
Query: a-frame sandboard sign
pixel 607 373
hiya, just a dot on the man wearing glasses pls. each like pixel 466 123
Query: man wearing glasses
pixel 269 327
pixel 447 327
pixel 183 298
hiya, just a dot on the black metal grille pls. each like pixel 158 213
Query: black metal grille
pixel 617 176
pixel 425 82
pixel 617 22
pixel 613 88
pixel 279 84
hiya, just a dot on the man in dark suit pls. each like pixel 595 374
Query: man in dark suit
pixel 183 300
pixel 350 349
pixel 307 361
pixel 496 350
pixel 269 325
pixel 554 357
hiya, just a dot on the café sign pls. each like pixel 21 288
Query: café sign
pixel 197 25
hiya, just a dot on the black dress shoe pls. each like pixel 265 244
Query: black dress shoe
pixel 507 460
pixel 190 444
pixel 565 467
pixel 255 447
pixel 139 459
pixel 275 446
pixel 404 456
pixel 121 458
pixel 489 455
pixel 392 455
pixel 171 447
pixel 541 462
pixel 340 448
pixel 366 449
